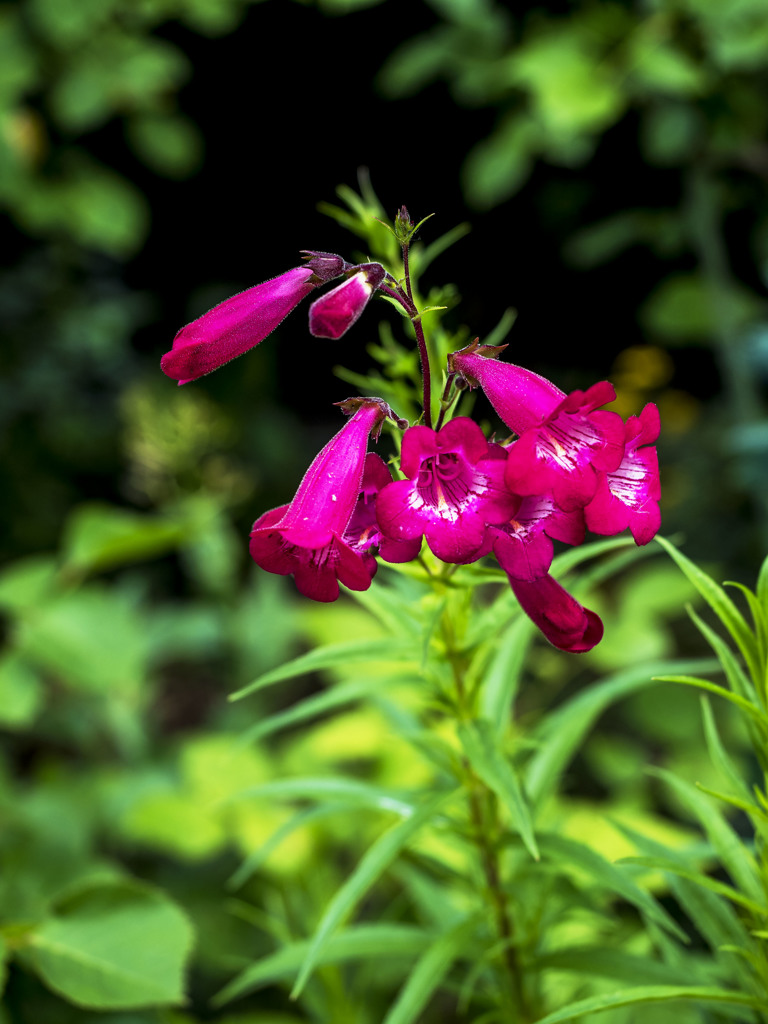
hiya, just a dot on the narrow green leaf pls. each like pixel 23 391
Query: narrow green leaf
pixel 607 962
pixel 497 334
pixel 608 876
pixel 714 918
pixel 705 684
pixel 114 947
pixel 721 604
pixel 749 807
pixel 429 970
pixel 650 994
pixel 331 656
pixel 758 614
pixel 762 585
pixel 481 745
pixel 720 888
pixel 737 861
pixel 734 673
pixel 721 759
pixel 564 729
pixel 358 942
pixel 568 560
pixel 501 676
pixel 352 791
pixel 311 707
pixel 373 864
pixel 253 862
pixel 396 610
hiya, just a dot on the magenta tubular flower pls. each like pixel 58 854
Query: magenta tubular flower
pixel 333 314
pixel 237 324
pixel 563 441
pixel 453 491
pixel 307 537
pixel 567 625
pixel 363 533
pixel 523 544
pixel 629 496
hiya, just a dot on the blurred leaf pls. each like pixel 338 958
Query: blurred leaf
pixel 331 656
pixel 65 25
pixel 114 947
pixel 169 144
pixel 175 823
pixel 98 537
pixel 563 731
pixel 683 309
pixel 500 164
pixel 363 941
pixel 568 853
pixel 430 969
pixel 21 692
pixel 571 91
pixel 650 994
pixel 481 744
pixel 26 583
pixel 720 888
pixel 663 68
pixel 353 791
pixel 609 962
pixel 312 707
pixel 116 73
pixel 92 638
pixel 670 133
pixel 374 862
pixel 502 674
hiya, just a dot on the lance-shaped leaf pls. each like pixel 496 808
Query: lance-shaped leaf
pixel 375 861
pixel 722 605
pixel 487 759
pixel 430 970
pixel 651 994
pixel 358 942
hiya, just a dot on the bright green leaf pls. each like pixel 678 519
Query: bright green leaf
pixel 114 947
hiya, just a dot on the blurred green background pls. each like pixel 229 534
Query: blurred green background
pixel 157 156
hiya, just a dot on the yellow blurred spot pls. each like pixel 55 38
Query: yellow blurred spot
pixel 25 133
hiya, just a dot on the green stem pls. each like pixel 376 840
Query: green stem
pixel 420 341
pixel 484 830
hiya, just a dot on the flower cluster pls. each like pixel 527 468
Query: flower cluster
pixel 571 466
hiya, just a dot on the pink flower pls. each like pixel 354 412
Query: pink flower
pixel 307 538
pixel 563 441
pixel 454 489
pixel 333 314
pixel 363 533
pixel 629 496
pixel 237 324
pixel 567 625
pixel 523 544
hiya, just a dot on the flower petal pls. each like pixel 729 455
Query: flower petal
pixel 236 325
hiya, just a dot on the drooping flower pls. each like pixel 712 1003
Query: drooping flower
pixel 567 625
pixel 237 324
pixel 629 496
pixel 333 313
pixel 563 441
pixel 453 491
pixel 523 544
pixel 307 537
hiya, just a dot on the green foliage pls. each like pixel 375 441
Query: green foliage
pixel 113 947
